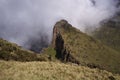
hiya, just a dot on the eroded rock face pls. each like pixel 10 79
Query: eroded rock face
pixel 58 43
pixel 56 31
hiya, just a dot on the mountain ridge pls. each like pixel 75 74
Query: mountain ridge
pixel 109 33
pixel 77 47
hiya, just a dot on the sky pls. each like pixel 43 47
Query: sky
pixel 26 21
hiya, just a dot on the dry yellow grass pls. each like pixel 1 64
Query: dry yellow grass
pixel 51 71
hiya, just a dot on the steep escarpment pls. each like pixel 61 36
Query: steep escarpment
pixel 72 45
pixel 62 52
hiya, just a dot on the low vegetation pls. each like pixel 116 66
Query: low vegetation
pixel 11 51
pixel 109 34
pixel 50 53
pixel 51 71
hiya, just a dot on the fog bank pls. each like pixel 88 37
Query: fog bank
pixel 28 21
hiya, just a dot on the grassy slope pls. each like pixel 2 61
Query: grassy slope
pixel 109 33
pixel 109 36
pixel 50 53
pixel 51 71
pixel 11 51
pixel 88 50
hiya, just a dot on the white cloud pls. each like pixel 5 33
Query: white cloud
pixel 22 19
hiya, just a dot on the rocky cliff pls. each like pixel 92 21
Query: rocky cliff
pixel 62 52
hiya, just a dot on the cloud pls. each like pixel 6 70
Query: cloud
pixel 25 20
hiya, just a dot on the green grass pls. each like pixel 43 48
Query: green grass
pixel 110 36
pixel 50 53
pixel 51 71
pixel 109 33
pixel 11 51
pixel 87 50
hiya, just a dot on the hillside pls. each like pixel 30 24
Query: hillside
pixel 68 45
pixel 72 45
pixel 109 33
pixel 51 71
pixel 11 51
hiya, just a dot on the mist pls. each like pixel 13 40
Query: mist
pixel 29 22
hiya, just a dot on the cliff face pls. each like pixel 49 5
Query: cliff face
pixel 58 43
pixel 71 45
pixel 56 30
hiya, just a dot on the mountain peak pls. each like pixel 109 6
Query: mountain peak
pixel 61 23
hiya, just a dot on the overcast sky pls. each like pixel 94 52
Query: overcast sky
pixel 21 20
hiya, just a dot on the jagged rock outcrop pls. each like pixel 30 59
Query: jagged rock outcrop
pixel 58 43
pixel 56 30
